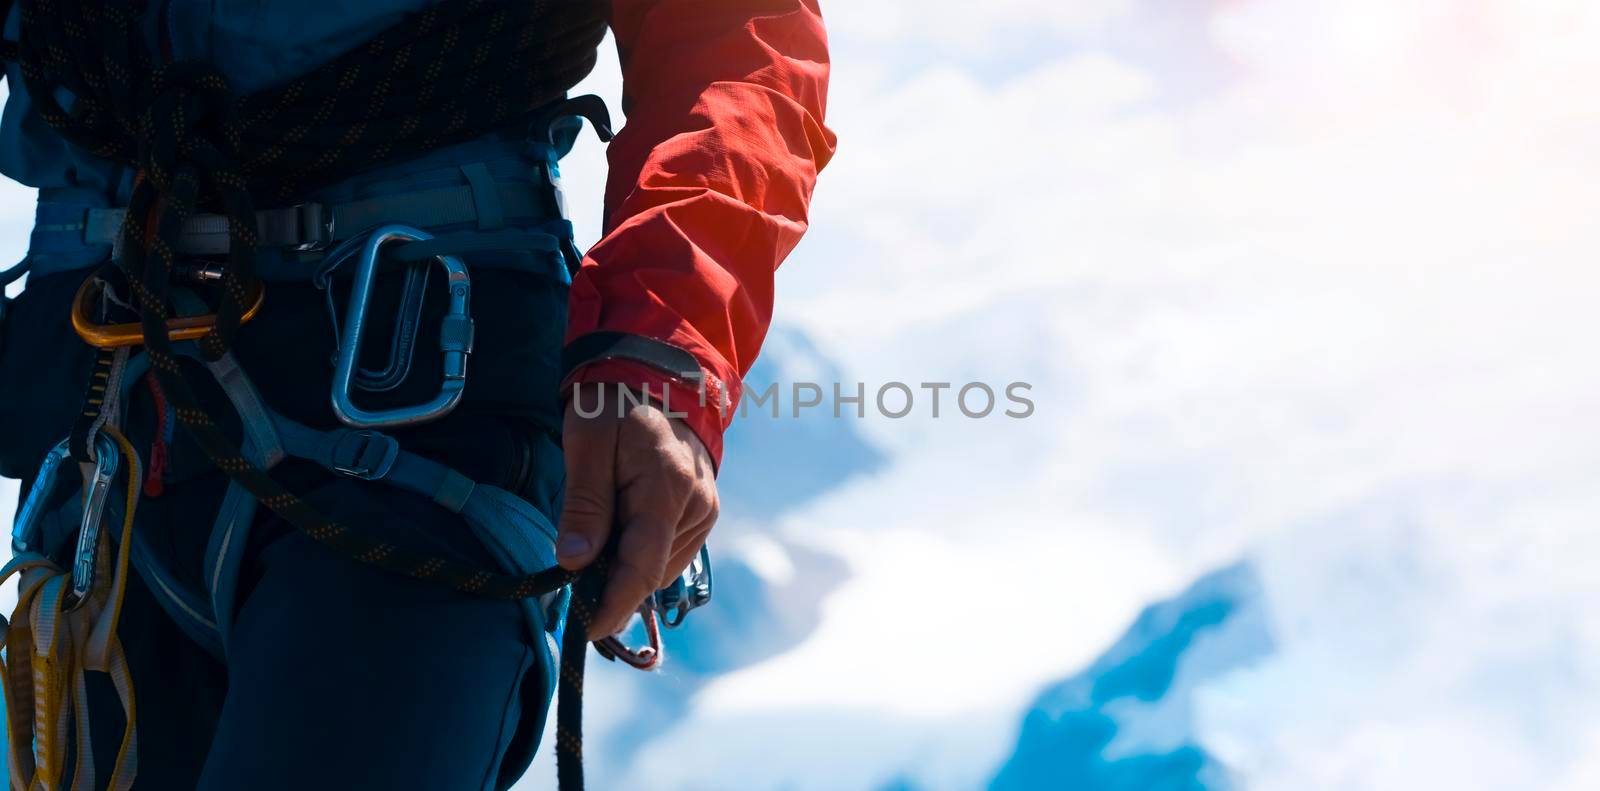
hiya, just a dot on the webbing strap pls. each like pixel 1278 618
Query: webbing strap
pixel 374 456
pixel 500 519
pixel 263 446
pixel 190 612
pixel 314 224
pixel 485 241
pixel 225 556
pixel 609 345
pixel 435 207
pixel 485 197
pixel 207 234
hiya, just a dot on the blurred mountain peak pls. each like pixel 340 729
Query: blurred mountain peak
pixel 1125 723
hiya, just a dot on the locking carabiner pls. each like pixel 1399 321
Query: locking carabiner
pixel 455 338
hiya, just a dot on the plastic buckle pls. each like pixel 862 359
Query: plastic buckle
pixel 371 460
pixel 455 340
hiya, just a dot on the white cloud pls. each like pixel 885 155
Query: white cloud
pixel 956 28
pixel 1335 313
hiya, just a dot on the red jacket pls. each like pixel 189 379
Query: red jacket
pixel 709 186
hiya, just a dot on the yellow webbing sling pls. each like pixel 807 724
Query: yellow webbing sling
pixel 49 646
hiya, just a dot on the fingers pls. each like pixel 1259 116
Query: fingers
pixel 652 478
pixel 641 562
pixel 589 506
pixel 651 505
pixel 688 545
pixel 652 554
pixel 700 513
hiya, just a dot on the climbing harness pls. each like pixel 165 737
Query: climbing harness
pixel 518 536
pixel 449 73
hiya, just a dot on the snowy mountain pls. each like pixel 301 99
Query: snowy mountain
pixel 1126 723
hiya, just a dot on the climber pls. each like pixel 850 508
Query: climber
pixel 304 303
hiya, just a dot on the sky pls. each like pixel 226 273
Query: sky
pixel 1302 283
pixel 1307 285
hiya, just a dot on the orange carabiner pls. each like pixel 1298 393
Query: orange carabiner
pixel 113 336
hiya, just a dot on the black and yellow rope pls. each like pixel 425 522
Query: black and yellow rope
pixel 451 72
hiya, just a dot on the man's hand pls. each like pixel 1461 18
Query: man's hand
pixel 634 468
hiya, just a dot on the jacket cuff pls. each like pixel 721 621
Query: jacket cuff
pixel 697 396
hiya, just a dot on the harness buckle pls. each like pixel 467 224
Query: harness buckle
pixel 316 227
pixel 455 338
pixel 370 460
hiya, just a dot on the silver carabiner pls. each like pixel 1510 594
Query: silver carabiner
pixel 26 531
pixel 107 460
pixel 455 338
pixel 690 591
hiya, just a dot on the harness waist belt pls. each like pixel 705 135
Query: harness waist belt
pixel 312 226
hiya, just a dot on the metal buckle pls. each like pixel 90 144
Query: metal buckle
pixel 107 459
pixel 316 226
pixel 455 338
pixel 113 336
pixel 363 466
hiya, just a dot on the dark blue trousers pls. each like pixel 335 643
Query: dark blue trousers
pixel 338 675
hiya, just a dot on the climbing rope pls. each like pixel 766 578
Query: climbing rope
pixel 449 73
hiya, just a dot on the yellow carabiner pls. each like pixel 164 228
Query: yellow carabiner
pixel 114 336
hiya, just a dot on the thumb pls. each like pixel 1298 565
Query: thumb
pixel 588 508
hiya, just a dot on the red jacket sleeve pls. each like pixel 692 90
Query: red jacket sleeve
pixel 708 191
